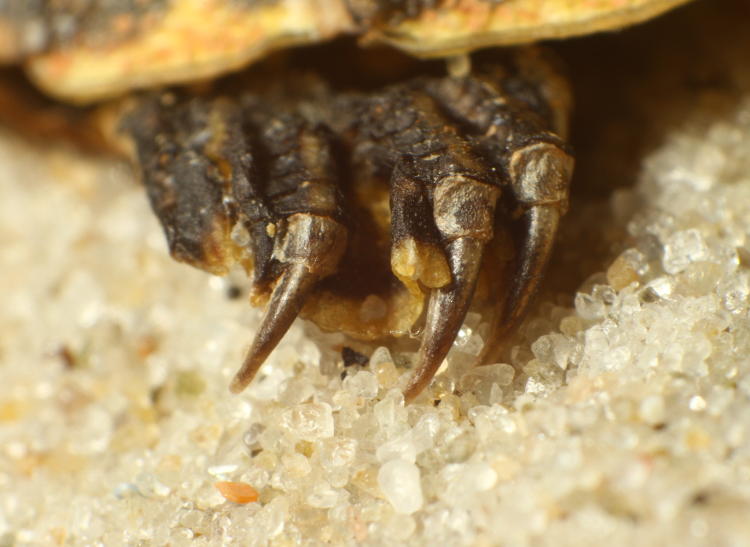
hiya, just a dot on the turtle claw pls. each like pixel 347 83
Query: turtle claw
pixel 446 312
pixel 540 226
pixel 286 301
pixel 309 251
pixel 207 177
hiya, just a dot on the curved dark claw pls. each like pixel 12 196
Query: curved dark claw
pixel 287 300
pixel 446 312
pixel 540 223
pixel 310 250
pixel 540 227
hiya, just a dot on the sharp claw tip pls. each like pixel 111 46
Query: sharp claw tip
pixel 241 379
pixel 237 386
pixel 411 393
pixel 445 313
pixel 286 301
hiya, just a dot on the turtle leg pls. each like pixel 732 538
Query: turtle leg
pixel 243 181
pixel 515 118
pixel 309 234
pixel 443 198
pixel 233 181
pixel 453 146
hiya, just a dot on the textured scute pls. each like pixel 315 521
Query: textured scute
pixel 105 48
pixel 473 24
pixel 187 40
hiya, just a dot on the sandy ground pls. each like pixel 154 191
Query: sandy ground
pixel 621 412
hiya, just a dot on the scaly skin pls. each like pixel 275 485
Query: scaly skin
pixel 263 182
